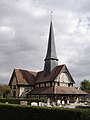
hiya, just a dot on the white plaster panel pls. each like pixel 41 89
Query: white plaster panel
pixel 14 81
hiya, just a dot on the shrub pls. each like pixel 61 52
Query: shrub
pixel 17 112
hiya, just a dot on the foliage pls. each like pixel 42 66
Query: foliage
pixel 14 112
pixel 85 85
pixel 4 90
pixel 1 95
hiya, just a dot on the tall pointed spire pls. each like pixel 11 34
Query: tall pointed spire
pixel 51 60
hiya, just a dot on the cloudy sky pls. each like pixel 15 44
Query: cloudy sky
pixel 24 27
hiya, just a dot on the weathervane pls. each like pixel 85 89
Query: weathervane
pixel 51 15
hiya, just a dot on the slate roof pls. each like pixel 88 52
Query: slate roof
pixel 51 60
pixel 56 90
pixel 51 51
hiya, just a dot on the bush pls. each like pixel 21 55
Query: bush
pixel 1 95
pixel 17 112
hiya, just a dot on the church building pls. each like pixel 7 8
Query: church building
pixel 54 82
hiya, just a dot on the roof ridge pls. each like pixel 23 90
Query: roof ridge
pixel 25 70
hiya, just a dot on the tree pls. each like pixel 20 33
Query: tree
pixel 85 85
pixel 4 90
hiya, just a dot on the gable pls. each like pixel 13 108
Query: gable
pixel 22 77
pixel 14 81
pixel 64 76
pixel 55 75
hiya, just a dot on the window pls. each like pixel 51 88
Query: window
pixel 70 85
pixel 48 84
pixel 37 85
pixel 42 85
pixel 52 83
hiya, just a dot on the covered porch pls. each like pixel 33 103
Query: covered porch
pixel 59 95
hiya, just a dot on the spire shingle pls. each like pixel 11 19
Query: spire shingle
pixel 51 57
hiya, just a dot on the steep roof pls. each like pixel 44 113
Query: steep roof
pixel 51 56
pixel 23 77
pixel 52 76
pixel 51 51
pixel 41 78
pixel 56 90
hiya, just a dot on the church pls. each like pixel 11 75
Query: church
pixel 54 82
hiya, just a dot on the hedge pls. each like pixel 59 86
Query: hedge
pixel 1 95
pixel 17 112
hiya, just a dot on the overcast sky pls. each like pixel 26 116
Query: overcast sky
pixel 24 27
